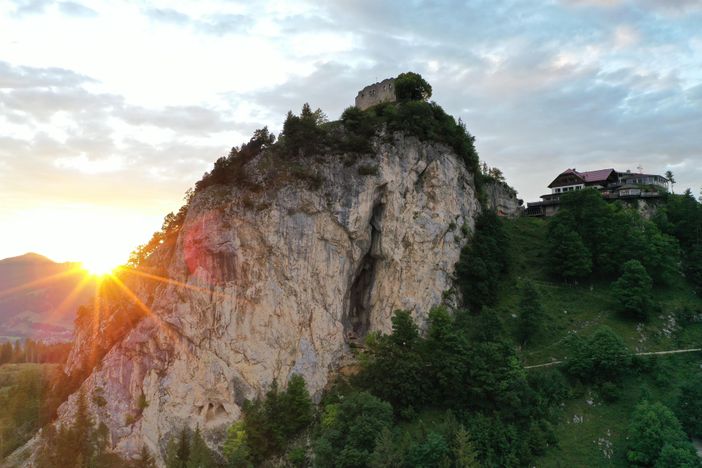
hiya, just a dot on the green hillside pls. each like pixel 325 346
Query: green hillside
pixel 591 431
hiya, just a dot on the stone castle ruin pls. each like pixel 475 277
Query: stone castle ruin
pixel 376 93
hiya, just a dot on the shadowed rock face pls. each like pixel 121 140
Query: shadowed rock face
pixel 277 282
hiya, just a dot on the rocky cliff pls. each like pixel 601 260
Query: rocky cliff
pixel 281 279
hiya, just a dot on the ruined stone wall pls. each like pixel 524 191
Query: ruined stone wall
pixel 376 93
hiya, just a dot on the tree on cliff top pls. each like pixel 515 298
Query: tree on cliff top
pixel 411 86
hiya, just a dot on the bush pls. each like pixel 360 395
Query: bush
pixel 609 392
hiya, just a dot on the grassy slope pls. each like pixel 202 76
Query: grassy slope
pixel 580 309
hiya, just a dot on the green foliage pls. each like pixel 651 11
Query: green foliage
pixel 689 405
pixel 602 357
pixel 470 353
pixel 465 454
pixel 142 403
pixel 483 262
pixel 302 135
pixel 431 453
pixel 348 438
pixel 236 449
pixel 200 454
pixel 411 86
pixel 586 226
pixel 531 312
pixel 387 453
pixel 633 291
pixel 569 259
pixel 80 442
pixel 269 423
pixel 231 169
pixel 653 427
pixel 395 369
pixel 680 455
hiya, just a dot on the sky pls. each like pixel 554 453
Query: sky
pixel 110 111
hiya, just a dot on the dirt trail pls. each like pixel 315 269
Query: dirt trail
pixel 648 353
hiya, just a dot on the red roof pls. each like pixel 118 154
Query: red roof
pixel 588 177
pixel 596 176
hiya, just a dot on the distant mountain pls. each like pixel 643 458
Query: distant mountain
pixel 39 297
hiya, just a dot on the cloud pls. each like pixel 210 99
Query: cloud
pixel 76 9
pixel 37 7
pixel 217 24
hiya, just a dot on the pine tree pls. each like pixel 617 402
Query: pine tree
pixel 83 429
pixel 200 454
pixel 531 312
pixel 633 290
pixel 568 256
pixel 464 450
pixel 387 454
pixel 297 406
pixel 145 459
pixel 236 449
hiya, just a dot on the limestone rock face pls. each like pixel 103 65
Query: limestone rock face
pixel 503 199
pixel 263 284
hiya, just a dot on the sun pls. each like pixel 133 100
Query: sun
pixel 97 266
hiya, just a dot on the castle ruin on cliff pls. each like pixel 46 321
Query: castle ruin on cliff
pixel 376 93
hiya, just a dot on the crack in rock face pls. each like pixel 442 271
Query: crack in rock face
pixel 357 322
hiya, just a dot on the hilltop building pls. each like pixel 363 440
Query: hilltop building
pixel 377 93
pixel 611 183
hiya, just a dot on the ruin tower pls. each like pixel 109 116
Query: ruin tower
pixel 376 93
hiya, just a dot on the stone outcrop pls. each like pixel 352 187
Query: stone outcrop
pixel 503 199
pixel 279 280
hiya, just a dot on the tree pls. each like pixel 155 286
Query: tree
pixel 689 406
pixel 200 454
pixel 681 455
pixel 145 459
pixel 297 407
pixel 464 451
pixel 433 452
pixel 387 453
pixel 395 371
pixel 653 426
pixel 350 430
pixel 633 290
pixel 602 357
pixel 236 450
pixel 568 258
pixel 671 179
pixel 483 262
pixel 183 448
pixel 531 312
pixel 411 86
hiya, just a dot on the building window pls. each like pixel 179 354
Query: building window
pixel 558 190
pixel 578 187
